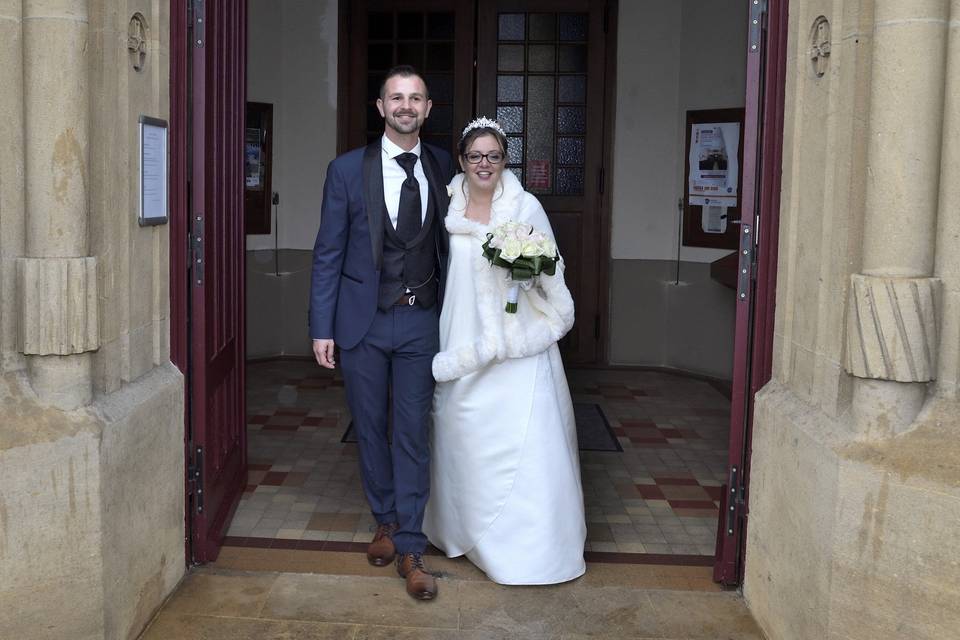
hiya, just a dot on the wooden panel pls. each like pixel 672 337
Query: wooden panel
pixel 216 376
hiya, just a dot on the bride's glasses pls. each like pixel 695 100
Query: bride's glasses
pixel 474 157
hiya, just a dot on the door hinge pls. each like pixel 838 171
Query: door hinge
pixel 601 179
pixel 196 10
pixel 735 500
pixel 196 250
pixel 758 9
pixel 745 264
pixel 596 327
pixel 195 479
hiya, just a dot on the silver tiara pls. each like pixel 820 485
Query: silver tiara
pixel 480 123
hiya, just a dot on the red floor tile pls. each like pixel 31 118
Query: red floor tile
pixel 274 478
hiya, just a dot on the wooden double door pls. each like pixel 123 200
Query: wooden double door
pixel 538 67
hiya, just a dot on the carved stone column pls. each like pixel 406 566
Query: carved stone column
pixel 947 266
pixel 57 284
pixel 892 320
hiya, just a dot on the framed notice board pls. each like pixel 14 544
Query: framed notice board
pixel 713 181
pixel 258 168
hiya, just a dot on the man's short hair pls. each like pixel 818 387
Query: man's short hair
pixel 404 71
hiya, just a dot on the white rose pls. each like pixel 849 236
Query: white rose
pixel 548 248
pixel 511 249
pixel 531 249
pixel 449 191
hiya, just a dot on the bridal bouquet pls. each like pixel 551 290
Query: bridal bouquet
pixel 524 252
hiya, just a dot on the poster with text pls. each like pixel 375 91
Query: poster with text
pixel 714 163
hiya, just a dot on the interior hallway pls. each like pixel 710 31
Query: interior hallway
pixel 258 594
pixel 654 501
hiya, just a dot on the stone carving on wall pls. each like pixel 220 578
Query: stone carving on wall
pixel 137 41
pixel 820 45
pixel 892 331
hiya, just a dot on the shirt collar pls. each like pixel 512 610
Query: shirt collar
pixel 392 150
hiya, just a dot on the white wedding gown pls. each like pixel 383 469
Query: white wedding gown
pixel 505 473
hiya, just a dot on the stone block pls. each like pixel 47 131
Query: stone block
pixel 58 305
pixel 892 331
pixel 91 510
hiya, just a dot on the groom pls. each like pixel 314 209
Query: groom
pixel 377 278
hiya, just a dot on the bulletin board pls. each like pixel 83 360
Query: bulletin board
pixel 713 178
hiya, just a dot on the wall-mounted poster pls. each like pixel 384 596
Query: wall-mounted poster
pixel 714 163
pixel 712 178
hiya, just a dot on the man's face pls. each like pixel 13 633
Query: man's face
pixel 404 105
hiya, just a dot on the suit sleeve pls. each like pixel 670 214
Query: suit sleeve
pixel 328 253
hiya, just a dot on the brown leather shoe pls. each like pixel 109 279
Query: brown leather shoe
pixel 381 551
pixel 420 584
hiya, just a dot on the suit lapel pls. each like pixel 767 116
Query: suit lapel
pixel 373 199
pixel 437 181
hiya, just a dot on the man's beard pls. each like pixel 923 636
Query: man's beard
pixel 412 126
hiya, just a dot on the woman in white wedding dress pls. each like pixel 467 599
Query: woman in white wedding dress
pixel 505 485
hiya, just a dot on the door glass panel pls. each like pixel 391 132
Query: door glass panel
pixel 571 120
pixel 380 57
pixel 573 26
pixel 511 26
pixel 573 89
pixel 570 181
pixel 510 118
pixel 380 25
pixel 440 120
pixel 410 26
pixel 543 26
pixel 540 134
pixel 440 86
pixel 440 26
pixel 570 151
pixel 515 150
pixel 510 57
pixel 543 57
pixel 373 86
pixel 439 56
pixel 573 58
pixel 410 53
pixel 509 88
pixel 551 44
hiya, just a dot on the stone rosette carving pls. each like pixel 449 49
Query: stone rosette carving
pixel 892 331
pixel 58 306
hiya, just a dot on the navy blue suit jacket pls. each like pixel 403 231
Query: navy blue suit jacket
pixel 348 253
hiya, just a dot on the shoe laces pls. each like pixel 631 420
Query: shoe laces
pixel 416 561
pixel 384 531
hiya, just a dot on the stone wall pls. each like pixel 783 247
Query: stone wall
pixel 91 410
pixel 855 486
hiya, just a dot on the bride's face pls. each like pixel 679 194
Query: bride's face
pixel 481 171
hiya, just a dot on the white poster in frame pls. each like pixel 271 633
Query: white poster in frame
pixel 153 172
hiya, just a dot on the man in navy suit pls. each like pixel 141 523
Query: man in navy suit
pixel 377 279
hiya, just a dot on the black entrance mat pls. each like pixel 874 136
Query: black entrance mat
pixel 593 431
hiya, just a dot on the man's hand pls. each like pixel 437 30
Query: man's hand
pixel 323 351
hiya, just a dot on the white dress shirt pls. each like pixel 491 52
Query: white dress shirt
pixel 394 175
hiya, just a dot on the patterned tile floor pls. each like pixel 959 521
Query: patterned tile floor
pixel 659 496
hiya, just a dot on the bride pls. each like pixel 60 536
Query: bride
pixel 505 485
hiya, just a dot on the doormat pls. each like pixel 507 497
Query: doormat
pixel 594 432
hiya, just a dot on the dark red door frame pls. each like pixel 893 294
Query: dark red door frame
pixel 753 343
pixel 179 216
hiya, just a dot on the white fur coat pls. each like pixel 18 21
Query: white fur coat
pixel 504 335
